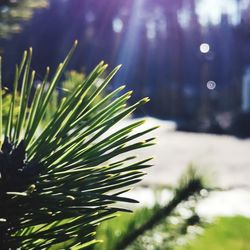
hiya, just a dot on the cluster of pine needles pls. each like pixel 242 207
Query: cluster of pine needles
pixel 60 179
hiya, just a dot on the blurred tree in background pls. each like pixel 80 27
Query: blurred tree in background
pixel 160 43
pixel 13 12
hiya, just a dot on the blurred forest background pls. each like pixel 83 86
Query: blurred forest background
pixel 192 57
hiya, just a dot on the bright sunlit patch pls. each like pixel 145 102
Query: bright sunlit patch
pixel 204 48
pixel 151 29
pixel 117 25
pixel 211 85
pixel 129 44
pixel 184 17
pixel 210 11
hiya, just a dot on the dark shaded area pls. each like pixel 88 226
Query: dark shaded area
pixel 16 176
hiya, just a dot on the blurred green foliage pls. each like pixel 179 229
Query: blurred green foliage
pixel 74 78
pixel 13 12
pixel 225 233
pixel 6 104
pixel 172 230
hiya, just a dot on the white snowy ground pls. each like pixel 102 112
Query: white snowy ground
pixel 224 160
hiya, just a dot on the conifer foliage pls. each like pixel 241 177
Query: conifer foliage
pixel 59 180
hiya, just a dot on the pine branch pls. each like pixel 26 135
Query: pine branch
pixel 186 190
